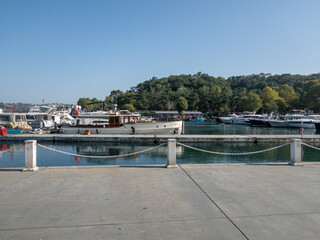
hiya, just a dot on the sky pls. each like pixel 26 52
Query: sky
pixel 62 50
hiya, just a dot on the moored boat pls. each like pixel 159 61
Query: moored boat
pixel 307 123
pixel 119 123
pixel 15 123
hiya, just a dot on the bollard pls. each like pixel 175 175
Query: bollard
pixel 295 152
pixel 172 153
pixel 30 155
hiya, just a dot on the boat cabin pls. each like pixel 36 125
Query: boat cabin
pixel 14 121
pixel 107 121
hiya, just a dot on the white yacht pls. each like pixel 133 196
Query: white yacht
pixel 227 119
pixel 244 119
pixel 278 122
pixel 304 122
pixel 40 120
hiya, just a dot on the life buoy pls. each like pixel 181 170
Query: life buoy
pixel 301 131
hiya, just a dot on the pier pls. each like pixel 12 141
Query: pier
pixel 219 201
pixel 160 138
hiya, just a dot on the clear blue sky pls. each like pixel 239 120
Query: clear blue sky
pixel 61 50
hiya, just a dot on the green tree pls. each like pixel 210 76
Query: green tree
pixel 84 103
pixel 289 95
pixel 182 105
pixel 129 107
pixel 250 102
pixel 311 97
pixel 269 97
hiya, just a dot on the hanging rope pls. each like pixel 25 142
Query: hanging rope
pixel 88 156
pixel 233 154
pixel 310 146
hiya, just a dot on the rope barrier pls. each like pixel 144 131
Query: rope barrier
pixel 10 149
pixel 232 154
pixel 88 156
pixel 310 146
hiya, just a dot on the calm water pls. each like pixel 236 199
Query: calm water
pixel 159 156
pixel 225 129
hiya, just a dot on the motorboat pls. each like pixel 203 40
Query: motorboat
pixel 244 119
pixel 14 122
pixel 307 123
pixel 278 122
pixel 40 120
pixel 260 121
pixel 121 122
pixel 227 119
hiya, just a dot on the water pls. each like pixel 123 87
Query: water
pixel 159 156
pixel 226 129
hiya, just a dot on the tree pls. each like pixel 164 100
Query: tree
pixel 311 97
pixel 251 102
pixel 288 94
pixel 84 103
pixel 129 107
pixel 182 105
pixel 269 97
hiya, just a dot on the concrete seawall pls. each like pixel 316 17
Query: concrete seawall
pixel 160 138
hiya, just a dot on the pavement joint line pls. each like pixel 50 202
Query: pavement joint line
pixel 277 214
pixel 113 224
pixel 233 223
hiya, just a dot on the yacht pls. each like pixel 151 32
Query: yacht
pixel 260 121
pixel 227 119
pixel 244 119
pixel 40 120
pixel 304 122
pixel 278 122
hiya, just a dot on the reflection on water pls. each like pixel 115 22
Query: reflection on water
pixel 226 129
pixel 15 158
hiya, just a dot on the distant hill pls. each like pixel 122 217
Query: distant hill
pixel 217 95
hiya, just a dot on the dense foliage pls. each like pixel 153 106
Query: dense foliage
pixel 264 93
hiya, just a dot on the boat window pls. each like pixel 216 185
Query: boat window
pixel 19 118
pixel 30 117
pixel 5 118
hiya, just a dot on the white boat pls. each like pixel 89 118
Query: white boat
pixel 40 120
pixel 301 123
pixel 278 122
pixel 119 123
pixel 227 119
pixel 244 119
pixel 62 117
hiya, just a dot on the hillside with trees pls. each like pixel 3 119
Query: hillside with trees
pixel 263 93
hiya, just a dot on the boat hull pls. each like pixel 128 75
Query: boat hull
pixel 174 127
pixel 301 124
pixel 278 123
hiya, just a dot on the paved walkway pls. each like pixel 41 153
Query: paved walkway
pixel 234 201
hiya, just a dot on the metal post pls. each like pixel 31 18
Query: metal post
pixel 172 153
pixel 295 152
pixel 30 155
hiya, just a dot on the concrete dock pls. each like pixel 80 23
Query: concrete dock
pixel 159 138
pixel 235 201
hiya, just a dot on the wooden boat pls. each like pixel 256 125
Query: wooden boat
pixel 119 123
